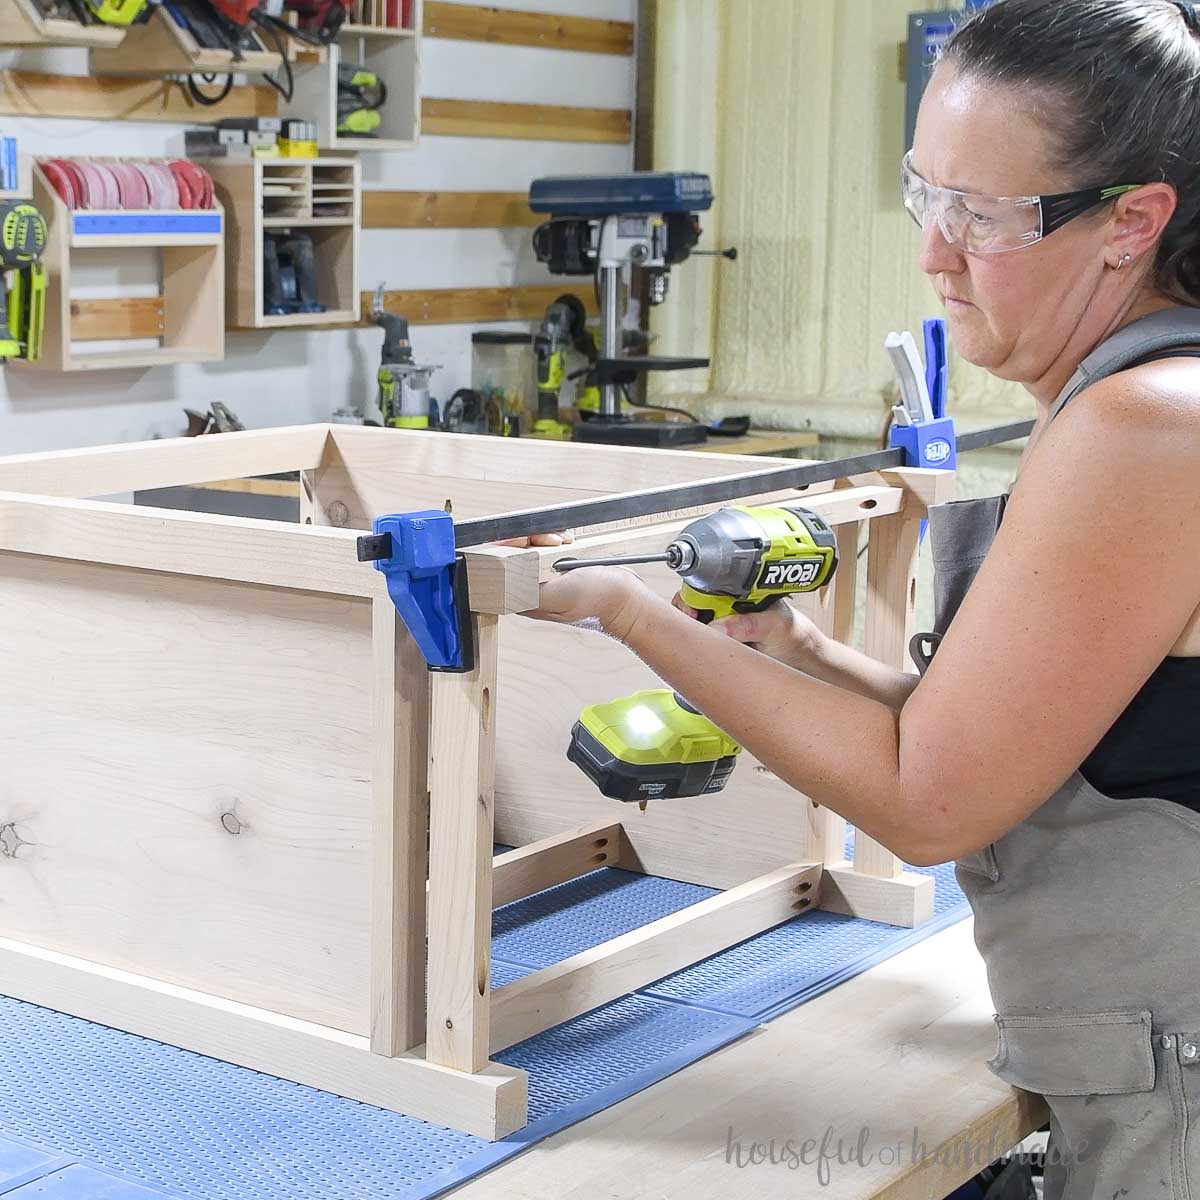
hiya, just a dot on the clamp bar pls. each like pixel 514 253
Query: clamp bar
pixel 648 503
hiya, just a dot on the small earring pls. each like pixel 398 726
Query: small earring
pixel 1122 261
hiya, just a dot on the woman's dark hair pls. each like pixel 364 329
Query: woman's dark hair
pixel 1116 86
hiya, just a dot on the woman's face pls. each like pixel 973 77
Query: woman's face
pixel 1013 312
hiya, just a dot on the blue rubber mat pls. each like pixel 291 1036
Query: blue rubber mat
pixel 96 1113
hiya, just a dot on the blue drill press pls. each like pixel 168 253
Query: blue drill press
pixel 602 225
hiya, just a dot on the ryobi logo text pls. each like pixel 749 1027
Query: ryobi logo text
pixel 791 572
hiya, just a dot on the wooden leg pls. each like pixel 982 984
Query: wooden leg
pixel 401 821
pixel 891 597
pixel 461 799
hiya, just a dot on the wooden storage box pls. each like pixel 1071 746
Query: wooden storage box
pixel 228 774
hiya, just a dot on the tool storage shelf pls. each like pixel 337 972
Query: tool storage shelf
pixel 268 829
pixel 393 55
pixel 317 196
pixel 182 250
pixel 21 24
pixel 162 46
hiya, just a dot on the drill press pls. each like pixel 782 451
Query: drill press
pixel 604 225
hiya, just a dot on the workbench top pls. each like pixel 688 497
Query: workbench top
pixel 901 1047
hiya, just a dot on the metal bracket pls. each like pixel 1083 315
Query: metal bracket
pixel 427 581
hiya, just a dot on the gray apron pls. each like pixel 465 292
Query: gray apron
pixel 1087 915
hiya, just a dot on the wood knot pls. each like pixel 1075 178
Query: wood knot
pixel 232 823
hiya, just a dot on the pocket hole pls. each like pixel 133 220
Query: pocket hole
pixel 868 504
pixel 600 843
pixel 599 858
pixel 802 903
pixel 805 886
pixel 485 708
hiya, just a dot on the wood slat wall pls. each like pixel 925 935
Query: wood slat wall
pixel 487 118
pixel 446 210
pixel 130 318
pixel 116 98
pixel 474 23
pixel 122 98
pixel 466 306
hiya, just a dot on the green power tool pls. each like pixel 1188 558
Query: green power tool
pixel 654 745
pixel 23 236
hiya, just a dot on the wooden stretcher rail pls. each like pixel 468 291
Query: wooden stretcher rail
pixel 508 27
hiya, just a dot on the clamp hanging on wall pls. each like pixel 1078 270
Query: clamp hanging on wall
pixel 427 581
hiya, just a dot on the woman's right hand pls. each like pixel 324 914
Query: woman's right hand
pixel 779 632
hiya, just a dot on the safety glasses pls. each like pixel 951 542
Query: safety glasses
pixel 982 224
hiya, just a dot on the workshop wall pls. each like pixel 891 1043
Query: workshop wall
pixel 799 116
pixel 288 377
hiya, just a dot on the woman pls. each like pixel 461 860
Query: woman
pixel 1052 746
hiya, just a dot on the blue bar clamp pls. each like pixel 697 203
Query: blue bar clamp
pixel 928 439
pixel 427 581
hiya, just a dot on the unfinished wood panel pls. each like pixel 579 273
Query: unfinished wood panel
pixel 506 26
pixel 185 828
pixel 122 98
pixel 465 306
pixel 184 543
pixel 126 317
pixel 400 827
pixel 543 122
pixel 554 860
pixel 167 462
pixel 462 745
pixel 447 210
pixel 491 1104
pixel 623 964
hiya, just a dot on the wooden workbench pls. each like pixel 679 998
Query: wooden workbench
pixel 902 1045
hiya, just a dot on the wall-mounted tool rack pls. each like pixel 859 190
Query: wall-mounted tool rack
pixel 162 47
pixel 183 322
pixel 21 24
pixel 320 197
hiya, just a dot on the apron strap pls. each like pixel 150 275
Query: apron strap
pixel 1141 340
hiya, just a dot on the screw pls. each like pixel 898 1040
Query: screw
pixel 449 1023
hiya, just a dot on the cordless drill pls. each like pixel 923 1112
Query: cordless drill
pixel 654 744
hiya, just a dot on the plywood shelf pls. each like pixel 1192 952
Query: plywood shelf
pixel 297 320
pixel 353 29
pixel 22 25
pixel 253 192
pixel 187 250
pixel 162 47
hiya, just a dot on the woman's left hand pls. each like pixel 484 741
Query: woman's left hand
pixel 613 596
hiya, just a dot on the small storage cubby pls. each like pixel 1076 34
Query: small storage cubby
pixel 316 199
pixel 22 24
pixel 173 259
pixel 393 55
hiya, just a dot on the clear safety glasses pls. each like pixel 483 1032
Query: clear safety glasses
pixel 982 224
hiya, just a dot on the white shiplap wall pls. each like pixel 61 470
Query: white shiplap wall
pixel 292 377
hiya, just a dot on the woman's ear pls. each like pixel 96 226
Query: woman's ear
pixel 1138 221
